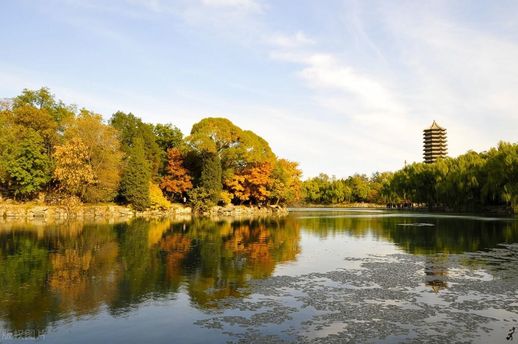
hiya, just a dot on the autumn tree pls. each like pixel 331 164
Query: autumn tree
pixel 176 180
pixel 286 186
pixel 252 184
pixel 104 151
pixel 156 197
pixel 73 170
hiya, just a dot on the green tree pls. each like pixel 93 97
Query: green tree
pixel 134 186
pixel 39 120
pixel 501 185
pixel 28 167
pixel 131 128
pixel 167 136
pixel 360 187
pixel 43 99
pixel 235 147
pixel 211 176
pixel 7 140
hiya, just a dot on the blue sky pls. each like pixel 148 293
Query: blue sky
pixel 339 86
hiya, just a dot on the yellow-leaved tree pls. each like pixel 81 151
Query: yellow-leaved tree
pixel 105 155
pixel 73 170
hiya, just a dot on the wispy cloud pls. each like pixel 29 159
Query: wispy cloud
pixel 299 39
pixel 244 5
pixel 344 88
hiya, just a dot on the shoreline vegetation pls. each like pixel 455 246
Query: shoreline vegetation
pixel 472 182
pixel 56 156
pixel 60 157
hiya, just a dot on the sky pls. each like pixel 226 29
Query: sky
pixel 341 87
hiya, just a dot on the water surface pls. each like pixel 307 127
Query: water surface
pixel 326 275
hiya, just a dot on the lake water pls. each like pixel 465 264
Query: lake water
pixel 324 276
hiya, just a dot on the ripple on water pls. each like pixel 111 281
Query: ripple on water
pixel 388 299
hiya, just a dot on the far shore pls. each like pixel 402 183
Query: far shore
pixel 495 210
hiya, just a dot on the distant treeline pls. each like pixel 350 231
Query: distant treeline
pixel 54 152
pixel 472 181
pixel 355 189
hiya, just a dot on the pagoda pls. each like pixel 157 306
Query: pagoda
pixel 435 145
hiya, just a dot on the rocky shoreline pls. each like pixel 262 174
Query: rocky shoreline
pixel 34 211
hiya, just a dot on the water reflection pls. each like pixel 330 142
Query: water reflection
pixel 59 272
pixel 449 234
pixel 436 272
pixel 56 272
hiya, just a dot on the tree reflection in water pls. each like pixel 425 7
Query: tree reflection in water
pixel 57 272
pixel 54 272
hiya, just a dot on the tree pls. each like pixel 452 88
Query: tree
pixel 39 120
pixel 167 136
pixel 131 128
pixel 73 170
pixel 200 199
pixel 252 184
pixel 360 187
pixel 211 176
pixel 378 182
pixel 177 180
pixel 286 187
pixel 134 186
pixel 156 197
pixel 502 174
pixel 43 99
pixel 235 147
pixel 7 141
pixel 103 146
pixel 28 166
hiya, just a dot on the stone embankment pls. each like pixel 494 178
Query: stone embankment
pixel 237 211
pixel 117 212
pixel 27 211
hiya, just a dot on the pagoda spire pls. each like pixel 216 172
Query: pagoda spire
pixel 435 143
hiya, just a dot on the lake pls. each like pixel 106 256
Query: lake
pixel 315 276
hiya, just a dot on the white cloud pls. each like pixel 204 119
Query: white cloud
pixel 461 75
pixel 246 5
pixel 296 40
pixel 376 76
pixel 369 116
pixel 323 71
